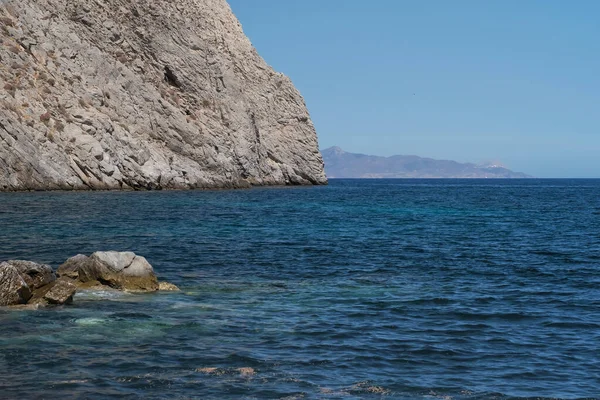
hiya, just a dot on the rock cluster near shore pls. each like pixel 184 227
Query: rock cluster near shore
pixel 144 94
pixel 27 282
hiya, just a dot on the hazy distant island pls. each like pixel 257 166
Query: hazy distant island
pixel 341 164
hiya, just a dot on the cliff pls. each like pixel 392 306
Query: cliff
pixel 341 164
pixel 144 94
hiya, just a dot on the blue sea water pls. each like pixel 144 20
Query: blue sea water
pixel 404 289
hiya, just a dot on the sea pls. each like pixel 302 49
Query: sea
pixel 362 289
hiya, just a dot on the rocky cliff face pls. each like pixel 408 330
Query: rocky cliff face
pixel 144 94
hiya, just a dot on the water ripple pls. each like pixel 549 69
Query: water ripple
pixel 397 289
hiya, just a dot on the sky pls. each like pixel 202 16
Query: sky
pixel 514 81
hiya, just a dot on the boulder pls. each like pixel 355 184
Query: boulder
pixel 13 288
pixel 92 270
pixel 70 268
pixel 139 276
pixel 114 260
pixel 61 292
pixel 139 267
pixel 118 270
pixel 58 292
pixel 34 274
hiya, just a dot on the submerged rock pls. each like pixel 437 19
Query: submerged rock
pixel 246 371
pixel 211 371
pixel 13 288
pixel 167 287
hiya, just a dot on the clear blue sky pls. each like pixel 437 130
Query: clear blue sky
pixel 517 81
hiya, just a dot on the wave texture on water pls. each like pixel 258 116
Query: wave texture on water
pixel 430 289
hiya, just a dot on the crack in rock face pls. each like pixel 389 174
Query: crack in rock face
pixel 171 78
pixel 144 94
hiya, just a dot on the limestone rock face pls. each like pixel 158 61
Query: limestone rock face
pixel 144 94
pixel 13 288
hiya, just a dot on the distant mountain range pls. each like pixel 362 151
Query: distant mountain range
pixel 341 164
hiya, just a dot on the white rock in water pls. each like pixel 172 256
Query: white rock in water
pixel 118 270
pixel 96 95
pixel 116 261
pixel 139 267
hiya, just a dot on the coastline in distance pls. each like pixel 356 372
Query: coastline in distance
pixel 342 164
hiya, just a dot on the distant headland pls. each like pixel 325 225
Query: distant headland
pixel 341 164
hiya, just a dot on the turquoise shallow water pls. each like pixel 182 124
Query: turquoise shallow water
pixel 424 289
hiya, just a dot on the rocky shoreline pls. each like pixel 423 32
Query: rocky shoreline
pixel 33 284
